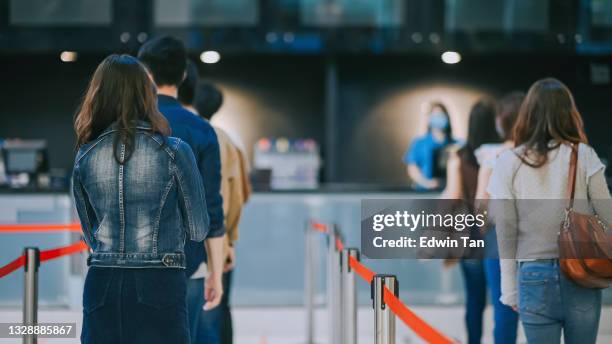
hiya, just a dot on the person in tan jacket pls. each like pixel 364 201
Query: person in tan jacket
pixel 205 100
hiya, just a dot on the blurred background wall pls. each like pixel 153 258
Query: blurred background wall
pixel 355 78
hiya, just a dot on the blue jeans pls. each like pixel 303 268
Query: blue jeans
pixel 475 287
pixel 213 326
pixel 550 303
pixel 137 305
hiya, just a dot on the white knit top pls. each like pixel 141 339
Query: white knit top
pixel 530 228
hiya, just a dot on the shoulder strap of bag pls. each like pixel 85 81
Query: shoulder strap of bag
pixel 571 176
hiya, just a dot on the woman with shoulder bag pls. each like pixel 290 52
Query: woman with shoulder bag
pixel 529 186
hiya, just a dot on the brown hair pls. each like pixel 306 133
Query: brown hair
pixel 507 112
pixel 121 92
pixel 547 114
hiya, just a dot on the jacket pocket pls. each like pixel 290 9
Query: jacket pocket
pixel 161 288
pixel 95 291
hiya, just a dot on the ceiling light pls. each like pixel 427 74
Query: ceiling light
pixel 68 56
pixel 210 56
pixel 451 57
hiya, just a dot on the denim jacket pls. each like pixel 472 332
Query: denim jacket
pixel 139 214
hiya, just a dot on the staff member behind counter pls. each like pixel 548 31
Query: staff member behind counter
pixel 425 158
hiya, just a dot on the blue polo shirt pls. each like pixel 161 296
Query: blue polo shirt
pixel 423 153
pixel 201 136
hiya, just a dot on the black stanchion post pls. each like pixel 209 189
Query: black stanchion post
pixel 30 291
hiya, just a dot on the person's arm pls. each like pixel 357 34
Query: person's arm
pixel 191 193
pixel 81 202
pixel 502 208
pixel 453 178
pixel 597 187
pixel 213 285
pixel 599 194
pixel 414 172
pixel 210 170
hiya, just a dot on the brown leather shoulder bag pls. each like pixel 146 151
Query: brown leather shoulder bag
pixel 585 249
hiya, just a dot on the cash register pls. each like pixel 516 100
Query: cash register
pixel 26 164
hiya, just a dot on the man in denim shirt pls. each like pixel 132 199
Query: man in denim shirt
pixel 166 59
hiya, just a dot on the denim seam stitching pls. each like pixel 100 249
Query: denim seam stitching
pixel 121 205
pixel 168 151
pixel 161 208
pixel 93 145
pixel 185 200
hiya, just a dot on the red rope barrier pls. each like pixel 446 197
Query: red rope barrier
pixel 12 266
pixel 418 325
pixel 41 227
pixel 319 227
pixel 44 256
pixel 339 244
pixel 413 321
pixel 361 270
pixel 63 251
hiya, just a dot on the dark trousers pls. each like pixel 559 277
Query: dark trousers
pixel 123 305
pixel 213 326
pixel 475 286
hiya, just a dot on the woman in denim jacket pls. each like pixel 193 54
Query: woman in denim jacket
pixel 139 196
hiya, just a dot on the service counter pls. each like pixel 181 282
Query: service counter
pixel 270 249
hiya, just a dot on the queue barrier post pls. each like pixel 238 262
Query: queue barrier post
pixel 309 281
pixel 334 290
pixel 384 318
pixel 30 294
pixel 349 303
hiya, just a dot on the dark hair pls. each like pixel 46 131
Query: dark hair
pixel 507 112
pixel 119 91
pixel 208 100
pixel 166 58
pixel 186 92
pixel 547 114
pixel 449 130
pixel 481 128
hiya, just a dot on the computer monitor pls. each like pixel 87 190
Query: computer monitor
pixel 25 156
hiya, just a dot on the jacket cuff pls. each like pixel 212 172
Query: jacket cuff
pixel 216 232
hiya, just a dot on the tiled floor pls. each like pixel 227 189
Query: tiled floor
pixel 286 325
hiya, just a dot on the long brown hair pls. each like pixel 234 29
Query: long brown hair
pixel 547 114
pixel 121 92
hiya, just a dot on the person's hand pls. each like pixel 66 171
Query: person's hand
pixel 432 184
pixel 230 260
pixel 450 262
pixel 515 308
pixel 213 290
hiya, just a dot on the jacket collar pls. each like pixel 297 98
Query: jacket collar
pixel 139 125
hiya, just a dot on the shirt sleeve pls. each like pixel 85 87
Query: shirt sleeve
pixel 597 187
pixel 412 155
pixel 83 207
pixel 192 199
pixel 209 164
pixel 502 209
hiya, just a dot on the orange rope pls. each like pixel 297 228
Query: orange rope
pixel 41 227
